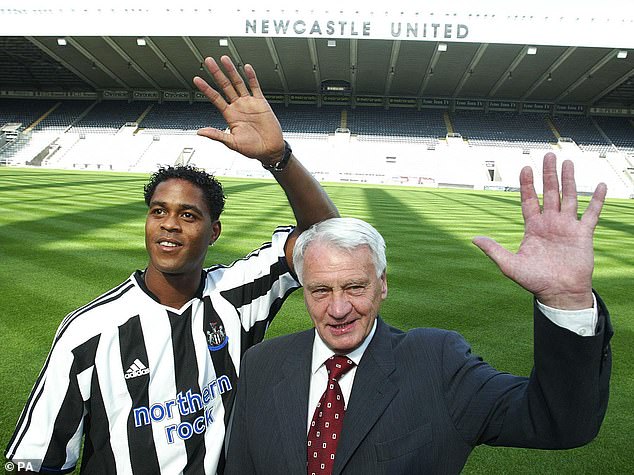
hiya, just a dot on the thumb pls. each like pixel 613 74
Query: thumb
pixel 494 251
pixel 217 135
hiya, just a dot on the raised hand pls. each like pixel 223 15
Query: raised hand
pixel 556 258
pixel 253 128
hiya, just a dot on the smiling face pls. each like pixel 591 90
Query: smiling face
pixel 178 228
pixel 342 293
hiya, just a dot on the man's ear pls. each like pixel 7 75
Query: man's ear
pixel 384 285
pixel 216 229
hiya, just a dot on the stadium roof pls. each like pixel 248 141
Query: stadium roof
pixel 482 55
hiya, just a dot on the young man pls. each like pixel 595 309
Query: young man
pixel 419 401
pixel 146 373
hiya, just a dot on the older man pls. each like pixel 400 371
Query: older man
pixel 356 396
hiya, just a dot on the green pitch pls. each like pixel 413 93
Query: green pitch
pixel 67 237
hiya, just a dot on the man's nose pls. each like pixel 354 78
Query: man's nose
pixel 340 306
pixel 170 223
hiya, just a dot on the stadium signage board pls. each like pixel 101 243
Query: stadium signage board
pixel 145 95
pixel 345 28
pixel 536 106
pixel 176 95
pixel 336 99
pixel 369 101
pixel 503 105
pixel 402 102
pixel 277 98
pixel 570 108
pixel 611 111
pixel 559 26
pixel 469 104
pixel 303 98
pixel 435 102
pixel 116 94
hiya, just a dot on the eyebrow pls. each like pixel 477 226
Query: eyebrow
pixel 181 206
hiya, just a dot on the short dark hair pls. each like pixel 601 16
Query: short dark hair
pixel 211 188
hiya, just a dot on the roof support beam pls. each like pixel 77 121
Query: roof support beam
pixel 472 65
pixel 166 62
pixel 312 48
pixel 194 50
pixel 554 67
pixel 131 63
pixel 96 62
pixel 354 65
pixel 278 65
pixel 396 47
pixel 509 71
pixel 615 84
pixel 66 64
pixel 429 72
pixel 588 74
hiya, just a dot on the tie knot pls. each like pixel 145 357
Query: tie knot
pixel 338 365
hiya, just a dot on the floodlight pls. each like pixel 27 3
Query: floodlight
pixel 442 47
pixel 61 41
pixel 531 50
pixel 140 41
pixel 622 54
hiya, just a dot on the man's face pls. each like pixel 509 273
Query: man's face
pixel 342 294
pixel 178 228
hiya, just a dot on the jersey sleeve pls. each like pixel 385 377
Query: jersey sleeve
pixel 258 284
pixel 49 431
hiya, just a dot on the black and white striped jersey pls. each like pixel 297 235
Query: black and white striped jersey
pixel 151 387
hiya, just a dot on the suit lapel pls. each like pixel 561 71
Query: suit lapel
pixel 291 400
pixel 371 394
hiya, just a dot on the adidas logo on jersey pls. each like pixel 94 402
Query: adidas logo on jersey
pixel 136 369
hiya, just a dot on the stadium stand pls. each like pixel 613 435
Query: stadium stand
pixel 409 125
pixel 583 131
pixel 428 147
pixel 503 129
pixel 23 111
pixel 620 131
pixel 24 66
pixel 180 118
pixel 308 121
pixel 107 117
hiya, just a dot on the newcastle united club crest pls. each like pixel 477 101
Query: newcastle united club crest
pixel 216 338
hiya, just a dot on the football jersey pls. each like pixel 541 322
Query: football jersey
pixel 151 387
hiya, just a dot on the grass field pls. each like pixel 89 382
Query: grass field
pixel 66 237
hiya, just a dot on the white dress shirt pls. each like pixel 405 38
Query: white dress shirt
pixel 582 322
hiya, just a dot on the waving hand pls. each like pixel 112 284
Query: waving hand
pixel 555 259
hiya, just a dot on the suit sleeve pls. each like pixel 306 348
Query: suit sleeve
pixel 238 454
pixel 562 403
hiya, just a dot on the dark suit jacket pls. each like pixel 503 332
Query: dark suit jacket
pixel 421 401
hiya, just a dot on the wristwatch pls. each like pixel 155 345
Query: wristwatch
pixel 279 166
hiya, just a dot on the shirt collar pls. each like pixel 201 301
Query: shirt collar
pixel 321 352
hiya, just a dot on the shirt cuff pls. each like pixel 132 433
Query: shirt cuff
pixel 582 322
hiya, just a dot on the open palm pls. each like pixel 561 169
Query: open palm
pixel 254 131
pixel 555 259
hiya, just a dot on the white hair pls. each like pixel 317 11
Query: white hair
pixel 343 233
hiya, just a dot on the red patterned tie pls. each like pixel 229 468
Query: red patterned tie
pixel 325 427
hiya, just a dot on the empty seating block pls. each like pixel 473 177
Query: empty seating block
pixel 397 124
pixel 181 118
pixel 583 131
pixel 503 129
